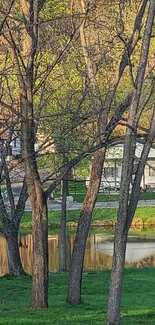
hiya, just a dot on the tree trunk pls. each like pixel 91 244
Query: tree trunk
pixel 13 255
pixel 28 129
pixel 10 226
pixel 115 291
pixel 76 268
pixel 62 263
pixel 75 274
pixel 40 256
pixel 125 213
pixel 39 216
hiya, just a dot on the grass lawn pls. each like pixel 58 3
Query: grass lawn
pixel 77 189
pixel 137 302
pixel 99 215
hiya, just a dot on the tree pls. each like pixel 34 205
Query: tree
pixel 11 210
pixel 38 85
pixel 103 106
pixel 10 218
pixel 22 45
pixel 126 211
pixel 23 55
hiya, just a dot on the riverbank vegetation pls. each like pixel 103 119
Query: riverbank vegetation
pixel 100 216
pixel 137 306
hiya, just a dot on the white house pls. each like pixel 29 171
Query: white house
pixel 111 176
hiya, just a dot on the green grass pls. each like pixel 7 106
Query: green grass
pixel 147 196
pixel 107 197
pixel 77 189
pixel 99 215
pixel 137 300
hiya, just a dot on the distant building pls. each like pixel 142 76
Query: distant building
pixel 112 170
pixel 9 138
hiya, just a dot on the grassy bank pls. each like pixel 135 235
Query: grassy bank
pixel 78 189
pixel 146 214
pixel 108 197
pixel 137 301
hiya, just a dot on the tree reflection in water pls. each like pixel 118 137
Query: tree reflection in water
pixel 98 254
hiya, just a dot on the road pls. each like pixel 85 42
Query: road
pixel 101 205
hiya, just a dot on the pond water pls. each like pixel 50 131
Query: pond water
pixel 140 252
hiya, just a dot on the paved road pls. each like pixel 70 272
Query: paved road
pixel 101 205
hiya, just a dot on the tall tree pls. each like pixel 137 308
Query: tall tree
pixel 102 105
pixel 23 49
pixel 126 212
pixel 30 11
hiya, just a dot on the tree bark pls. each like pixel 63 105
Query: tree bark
pixel 37 197
pixel 75 274
pixel 40 256
pixel 10 226
pixel 124 212
pixel 114 304
pixel 39 212
pixel 124 222
pixel 76 268
pixel 13 255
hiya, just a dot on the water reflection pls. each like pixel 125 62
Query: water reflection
pixel 99 250
pixel 134 251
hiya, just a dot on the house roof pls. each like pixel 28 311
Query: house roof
pixel 116 152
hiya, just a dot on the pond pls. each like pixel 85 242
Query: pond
pixel 140 252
